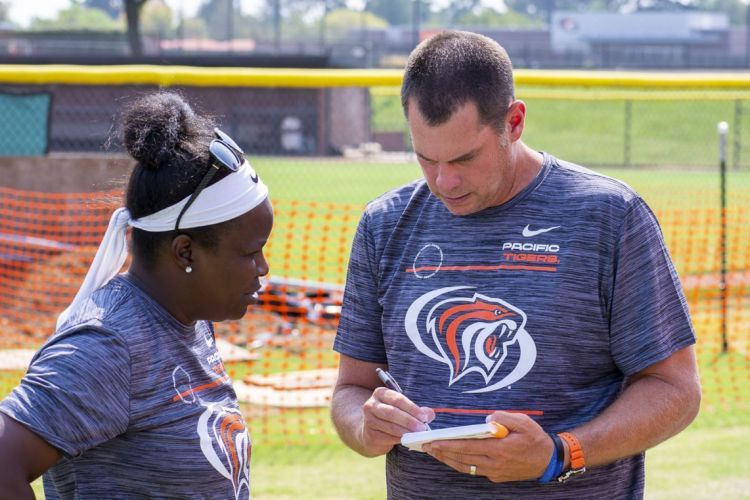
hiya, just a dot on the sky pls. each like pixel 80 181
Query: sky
pixel 22 11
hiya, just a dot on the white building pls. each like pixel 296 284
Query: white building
pixel 581 32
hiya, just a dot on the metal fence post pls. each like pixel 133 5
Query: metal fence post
pixel 723 129
pixel 627 131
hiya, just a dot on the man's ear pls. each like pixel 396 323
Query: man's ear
pixel 182 251
pixel 516 119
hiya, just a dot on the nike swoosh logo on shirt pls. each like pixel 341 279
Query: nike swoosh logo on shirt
pixel 529 232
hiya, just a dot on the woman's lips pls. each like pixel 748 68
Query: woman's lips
pixel 253 296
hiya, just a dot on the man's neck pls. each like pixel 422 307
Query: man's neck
pixel 526 166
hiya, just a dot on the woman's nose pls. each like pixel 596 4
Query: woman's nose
pixel 261 265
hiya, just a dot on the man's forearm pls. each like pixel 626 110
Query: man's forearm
pixel 347 416
pixel 648 412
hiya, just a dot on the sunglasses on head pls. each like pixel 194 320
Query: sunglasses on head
pixel 223 152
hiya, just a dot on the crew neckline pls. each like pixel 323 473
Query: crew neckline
pixel 177 324
pixel 544 169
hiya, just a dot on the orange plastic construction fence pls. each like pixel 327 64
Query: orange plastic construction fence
pixel 280 354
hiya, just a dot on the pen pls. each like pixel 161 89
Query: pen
pixel 391 383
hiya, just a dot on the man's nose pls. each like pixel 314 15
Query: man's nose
pixel 448 178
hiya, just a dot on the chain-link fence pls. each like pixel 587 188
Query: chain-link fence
pixel 597 127
pixel 325 151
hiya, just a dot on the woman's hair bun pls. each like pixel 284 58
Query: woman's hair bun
pixel 155 126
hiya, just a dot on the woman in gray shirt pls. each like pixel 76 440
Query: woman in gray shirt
pixel 129 397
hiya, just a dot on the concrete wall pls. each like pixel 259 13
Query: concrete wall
pixel 348 117
pixel 65 173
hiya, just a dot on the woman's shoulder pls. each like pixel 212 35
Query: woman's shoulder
pixel 104 309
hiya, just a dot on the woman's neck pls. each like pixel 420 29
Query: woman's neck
pixel 157 285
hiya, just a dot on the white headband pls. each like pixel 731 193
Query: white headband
pixel 232 196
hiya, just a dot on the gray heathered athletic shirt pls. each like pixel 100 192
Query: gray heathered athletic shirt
pixel 138 403
pixel 543 305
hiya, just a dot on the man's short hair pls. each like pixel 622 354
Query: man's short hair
pixel 452 68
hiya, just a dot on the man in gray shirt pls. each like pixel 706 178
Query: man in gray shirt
pixel 510 286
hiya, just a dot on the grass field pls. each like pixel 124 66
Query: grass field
pixel 598 132
pixel 705 462
pixel 350 182
pixel 675 469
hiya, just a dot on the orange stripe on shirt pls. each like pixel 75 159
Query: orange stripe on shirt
pixel 503 267
pixel 201 387
pixel 470 411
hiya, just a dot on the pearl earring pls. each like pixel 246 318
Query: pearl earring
pixel 188 269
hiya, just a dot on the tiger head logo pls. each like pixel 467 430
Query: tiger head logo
pixel 224 438
pixel 225 442
pixel 471 333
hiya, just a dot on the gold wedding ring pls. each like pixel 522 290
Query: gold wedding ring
pixel 473 470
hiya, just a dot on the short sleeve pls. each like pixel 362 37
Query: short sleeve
pixel 649 318
pixel 75 394
pixel 359 333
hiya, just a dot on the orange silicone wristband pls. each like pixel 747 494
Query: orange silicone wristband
pixel 577 460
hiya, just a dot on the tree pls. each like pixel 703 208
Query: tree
pixel 157 19
pixel 491 17
pixel 460 8
pixel 221 18
pixel 396 12
pixel 192 27
pixel 77 17
pixel 737 11
pixel 542 9
pixel 113 8
pixel 298 18
pixel 339 21
pixel 133 17
pixel 212 20
pixel 4 9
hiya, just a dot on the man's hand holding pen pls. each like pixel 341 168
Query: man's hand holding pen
pixel 388 414
pixel 521 457
pixel 392 384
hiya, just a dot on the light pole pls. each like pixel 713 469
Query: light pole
pixel 363 35
pixel 181 27
pixel 415 21
pixel 322 34
pixel 230 23
pixel 277 25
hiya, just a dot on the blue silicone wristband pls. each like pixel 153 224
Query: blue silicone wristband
pixel 560 449
pixel 554 465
